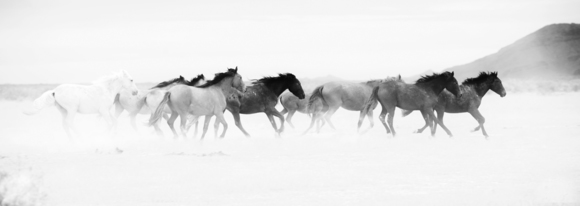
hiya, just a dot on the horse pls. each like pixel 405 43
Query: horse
pixel 472 92
pixel 262 96
pixel 147 100
pixel 422 95
pixel 98 97
pixel 208 99
pixel 348 95
pixel 293 104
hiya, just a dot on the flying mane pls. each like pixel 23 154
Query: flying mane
pixel 428 78
pixel 483 76
pixel 180 79
pixel 219 77
pixel 397 78
pixel 195 80
pixel 280 77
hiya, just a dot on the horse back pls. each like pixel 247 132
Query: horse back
pixel 469 100
pixel 85 99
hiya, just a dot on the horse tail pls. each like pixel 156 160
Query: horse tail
pixel 406 112
pixel 45 100
pixel 317 94
pixel 372 101
pixel 158 113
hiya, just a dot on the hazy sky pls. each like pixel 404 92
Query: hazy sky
pixel 72 41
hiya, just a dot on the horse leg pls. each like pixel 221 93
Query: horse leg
pixel 216 127
pixel 480 119
pixel 281 117
pixel 313 119
pixel 65 125
pixel 193 120
pixel 329 114
pixel 236 113
pixel 426 118
pixel 391 112
pixel 440 114
pixel 111 122
pixel 289 117
pixel 133 124
pixel 361 118
pixel 183 125
pixel 221 119
pixel 71 129
pixel 382 119
pixel 437 121
pixel 205 125
pixel 171 122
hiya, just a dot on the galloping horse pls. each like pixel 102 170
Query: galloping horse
pixel 472 92
pixel 147 100
pixel 292 104
pixel 419 96
pixel 99 97
pixel 262 96
pixel 348 95
pixel 207 99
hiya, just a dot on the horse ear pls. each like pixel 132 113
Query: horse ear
pixel 236 70
pixel 181 77
pixel 494 74
pixel 452 73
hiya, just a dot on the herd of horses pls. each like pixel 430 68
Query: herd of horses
pixel 191 99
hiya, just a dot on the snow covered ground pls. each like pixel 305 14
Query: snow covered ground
pixel 532 157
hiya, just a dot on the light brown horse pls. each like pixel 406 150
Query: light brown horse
pixel 206 100
pixel 348 95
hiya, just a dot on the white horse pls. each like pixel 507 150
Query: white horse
pixel 97 98
pixel 147 101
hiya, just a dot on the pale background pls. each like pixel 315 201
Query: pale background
pixel 67 41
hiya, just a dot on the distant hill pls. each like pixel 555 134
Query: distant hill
pixel 553 52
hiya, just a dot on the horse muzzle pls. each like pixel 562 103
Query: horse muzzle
pixel 503 94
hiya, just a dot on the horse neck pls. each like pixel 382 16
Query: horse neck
pixel 225 86
pixel 432 86
pixel 277 88
pixel 112 86
pixel 481 88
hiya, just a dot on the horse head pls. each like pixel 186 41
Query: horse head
pixel 127 82
pixel 294 85
pixel 496 85
pixel 451 83
pixel 237 81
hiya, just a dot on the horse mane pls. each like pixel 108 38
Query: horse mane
pixel 169 82
pixel 195 80
pixel 280 77
pixel 483 76
pixel 219 77
pixel 397 78
pixel 428 78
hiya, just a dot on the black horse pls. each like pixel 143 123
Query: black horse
pixel 472 91
pixel 262 96
pixel 421 96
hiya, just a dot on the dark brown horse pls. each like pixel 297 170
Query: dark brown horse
pixel 262 96
pixel 348 95
pixel 422 95
pixel 472 91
